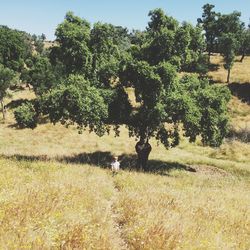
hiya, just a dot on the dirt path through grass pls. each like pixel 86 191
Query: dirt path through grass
pixel 118 229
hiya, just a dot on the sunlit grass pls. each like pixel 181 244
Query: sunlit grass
pixel 50 205
pixel 46 205
pixel 183 211
pixel 240 72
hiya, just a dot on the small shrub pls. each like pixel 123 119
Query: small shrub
pixel 26 115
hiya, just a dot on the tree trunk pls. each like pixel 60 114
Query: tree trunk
pixel 209 56
pixel 3 109
pixel 242 57
pixel 228 75
pixel 143 149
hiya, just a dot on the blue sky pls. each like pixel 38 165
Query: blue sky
pixel 42 16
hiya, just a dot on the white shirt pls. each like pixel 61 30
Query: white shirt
pixel 115 165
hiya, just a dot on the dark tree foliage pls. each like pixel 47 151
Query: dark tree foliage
pixel 159 20
pixel 166 40
pixel 245 44
pixel 166 103
pixel 230 23
pixel 73 37
pixel 6 76
pixel 41 75
pixel 209 24
pixel 120 108
pixel 15 48
pixel 108 44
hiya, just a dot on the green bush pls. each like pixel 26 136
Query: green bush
pixel 26 115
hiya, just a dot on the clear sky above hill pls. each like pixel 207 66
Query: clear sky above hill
pixel 42 16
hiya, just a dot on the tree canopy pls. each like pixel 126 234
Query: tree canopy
pixel 84 80
pixel 76 102
pixel 6 76
pixel 73 36
pixel 15 48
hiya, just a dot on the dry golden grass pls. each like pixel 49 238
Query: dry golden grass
pixel 183 211
pixel 238 109
pixel 132 98
pixel 49 44
pixel 47 205
pixel 240 114
pixel 24 94
pixel 240 72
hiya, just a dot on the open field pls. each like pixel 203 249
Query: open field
pixel 56 191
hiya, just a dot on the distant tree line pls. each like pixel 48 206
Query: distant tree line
pixel 83 78
pixel 18 50
pixel 225 34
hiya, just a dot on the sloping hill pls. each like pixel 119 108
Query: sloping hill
pixel 56 190
pixel 48 205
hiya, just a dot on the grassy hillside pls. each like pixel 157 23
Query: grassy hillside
pixel 48 205
pixel 57 192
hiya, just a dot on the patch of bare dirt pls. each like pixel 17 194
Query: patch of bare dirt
pixel 209 170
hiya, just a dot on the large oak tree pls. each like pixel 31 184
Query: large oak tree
pixel 104 64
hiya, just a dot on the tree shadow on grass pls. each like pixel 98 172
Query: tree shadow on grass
pixel 242 134
pixel 16 103
pixel 213 66
pixel 241 90
pixel 103 160
pixel 128 161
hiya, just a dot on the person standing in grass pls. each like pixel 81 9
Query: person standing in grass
pixel 115 165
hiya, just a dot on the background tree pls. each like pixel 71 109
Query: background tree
pixel 245 44
pixel 209 25
pixel 72 37
pixel 6 76
pixel 231 31
pixel 15 48
pixel 228 48
pixel 108 44
pixel 38 43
